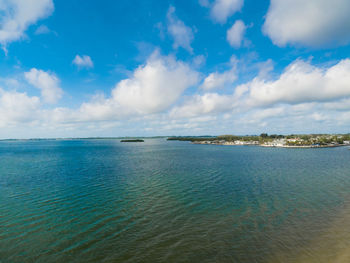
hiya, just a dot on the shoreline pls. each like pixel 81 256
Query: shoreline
pixel 275 146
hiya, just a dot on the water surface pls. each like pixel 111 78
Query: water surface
pixel 159 201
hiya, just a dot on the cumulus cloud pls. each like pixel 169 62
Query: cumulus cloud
pixel 208 103
pixel 296 91
pixel 286 118
pixel 152 89
pixel 235 34
pixel 83 61
pixel 312 23
pixel 217 80
pixel 181 34
pixel 46 82
pixel 17 15
pixel 17 107
pixel 156 85
pixel 223 9
pixel 154 98
pixel 300 82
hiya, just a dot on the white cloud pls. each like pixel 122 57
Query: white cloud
pixel 41 30
pixel 339 105
pixel 83 61
pixel 199 105
pixel 16 107
pixel 155 86
pixel 17 15
pixel 199 60
pixel 181 34
pixel 262 114
pixel 153 99
pixel 219 80
pixel 302 93
pixel 216 80
pixel 288 119
pixel 313 23
pixel 300 82
pixel 235 34
pixel 47 82
pixel 152 89
pixel 223 9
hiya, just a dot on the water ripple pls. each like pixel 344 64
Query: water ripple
pixel 103 201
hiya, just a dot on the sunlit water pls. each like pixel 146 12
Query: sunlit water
pixel 159 201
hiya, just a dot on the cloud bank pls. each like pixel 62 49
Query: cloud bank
pixel 299 83
pixel 154 98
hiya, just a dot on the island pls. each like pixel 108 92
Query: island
pixel 274 140
pixel 132 140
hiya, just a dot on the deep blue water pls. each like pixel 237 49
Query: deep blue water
pixel 159 201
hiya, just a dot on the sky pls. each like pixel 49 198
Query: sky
pixel 85 68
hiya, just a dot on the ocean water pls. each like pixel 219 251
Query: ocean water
pixel 160 201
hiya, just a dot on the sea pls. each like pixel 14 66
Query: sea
pixel 101 200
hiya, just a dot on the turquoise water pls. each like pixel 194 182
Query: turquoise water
pixel 159 201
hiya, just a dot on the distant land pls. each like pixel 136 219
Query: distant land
pixel 264 140
pixel 132 140
pixel 274 140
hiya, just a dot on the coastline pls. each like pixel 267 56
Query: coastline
pixel 272 146
pixel 275 141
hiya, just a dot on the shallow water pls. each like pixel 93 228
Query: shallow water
pixel 159 201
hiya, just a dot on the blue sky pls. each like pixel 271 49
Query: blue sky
pixel 151 67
